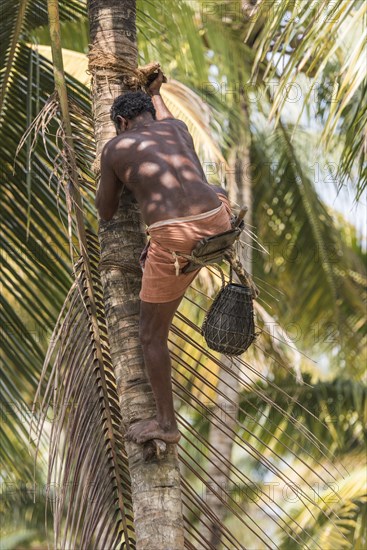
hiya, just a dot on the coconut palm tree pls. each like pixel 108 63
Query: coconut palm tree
pixel 113 53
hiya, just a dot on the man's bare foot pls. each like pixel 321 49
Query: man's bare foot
pixel 144 430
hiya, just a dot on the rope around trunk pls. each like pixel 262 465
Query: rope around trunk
pixel 108 65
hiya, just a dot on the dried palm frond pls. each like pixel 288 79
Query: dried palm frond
pixel 87 460
pixel 87 463
pixel 286 427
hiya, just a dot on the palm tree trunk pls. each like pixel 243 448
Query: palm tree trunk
pixel 226 408
pixel 155 487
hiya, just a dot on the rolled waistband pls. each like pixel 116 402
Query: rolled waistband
pixel 201 216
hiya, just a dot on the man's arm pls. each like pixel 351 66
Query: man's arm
pixel 109 189
pixel 162 112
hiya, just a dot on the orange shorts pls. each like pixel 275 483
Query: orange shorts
pixel 160 281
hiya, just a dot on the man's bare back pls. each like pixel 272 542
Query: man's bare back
pixel 158 163
pixel 153 155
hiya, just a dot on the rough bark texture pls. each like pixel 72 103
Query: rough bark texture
pixel 155 484
pixel 221 437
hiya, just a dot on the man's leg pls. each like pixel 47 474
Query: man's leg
pixel 155 321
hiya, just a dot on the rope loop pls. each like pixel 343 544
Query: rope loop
pixel 107 65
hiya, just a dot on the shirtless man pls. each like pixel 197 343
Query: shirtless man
pixel 153 156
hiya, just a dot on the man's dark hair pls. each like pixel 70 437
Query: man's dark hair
pixel 130 105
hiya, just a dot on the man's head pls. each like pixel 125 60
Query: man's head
pixel 127 107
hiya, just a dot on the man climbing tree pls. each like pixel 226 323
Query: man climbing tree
pixel 153 156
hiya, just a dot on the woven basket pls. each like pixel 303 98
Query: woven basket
pixel 229 325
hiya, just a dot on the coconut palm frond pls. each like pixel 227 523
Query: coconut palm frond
pixel 183 50
pixel 87 458
pixel 327 42
pixel 75 63
pixel 314 265
pixel 35 258
pixel 76 452
pixel 319 408
pixel 19 21
pixel 286 425
pixel 242 372
pixel 355 144
pixel 258 434
pixel 209 43
pixel 274 350
pixel 194 391
pixel 302 32
pixel 22 496
pixel 18 538
pixel 229 80
pixel 351 507
pixel 75 34
pixel 36 265
pixel 22 471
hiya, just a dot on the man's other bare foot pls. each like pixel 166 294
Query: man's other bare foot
pixel 144 430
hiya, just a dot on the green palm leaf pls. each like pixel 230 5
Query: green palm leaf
pixel 19 20
pixel 313 265
pixel 351 506
pixel 326 41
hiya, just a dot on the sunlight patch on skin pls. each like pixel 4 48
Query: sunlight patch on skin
pixel 130 172
pixel 154 206
pixel 166 180
pixel 145 144
pixel 188 174
pixel 125 143
pixel 157 196
pixel 149 168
